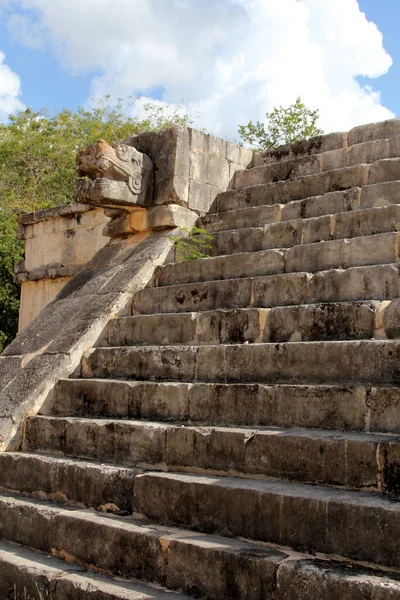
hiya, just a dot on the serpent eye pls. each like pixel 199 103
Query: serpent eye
pixel 123 152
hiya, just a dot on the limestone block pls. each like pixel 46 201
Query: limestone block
pixel 218 172
pixel 246 157
pixel 233 168
pixel 317 145
pixel 216 146
pixel 233 152
pixel 198 141
pixel 35 296
pixel 193 297
pixel 157 362
pixel 61 239
pixel 119 226
pixel 199 166
pixel 369 152
pixel 374 131
pixel 334 159
pixel 172 215
pixel 380 194
pixel 313 322
pixel 215 191
pixel 387 420
pixel 169 150
pixel 246 264
pixel 384 170
pixel 307 579
pixel 369 250
pixel 199 196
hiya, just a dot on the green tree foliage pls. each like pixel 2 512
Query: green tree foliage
pixel 283 126
pixel 10 253
pixel 37 170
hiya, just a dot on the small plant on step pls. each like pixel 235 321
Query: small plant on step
pixel 194 245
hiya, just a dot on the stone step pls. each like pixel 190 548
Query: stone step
pixel 25 574
pixel 294 362
pixel 378 195
pixel 330 407
pixel 365 153
pixel 325 143
pixel 307 322
pixel 378 249
pixel 316 145
pixel 282 192
pixel 198 564
pixel 353 460
pixel 378 282
pixel 359 525
pixel 68 481
pixel 286 234
pixel 28 575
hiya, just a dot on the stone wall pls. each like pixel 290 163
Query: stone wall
pixel 191 169
pixel 58 242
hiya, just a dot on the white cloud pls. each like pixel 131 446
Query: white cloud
pixel 20 27
pixel 232 60
pixel 10 90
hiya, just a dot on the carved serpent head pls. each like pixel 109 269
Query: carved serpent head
pixel 119 175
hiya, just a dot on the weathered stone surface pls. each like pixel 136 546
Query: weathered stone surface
pixel 222 267
pixel 376 282
pixel 302 187
pixel 130 443
pixel 321 407
pixel 188 328
pixel 382 171
pixel 380 194
pixel 360 153
pixel 327 580
pixel 323 143
pixel 194 297
pixel 295 362
pixel 291 375
pixel 123 399
pixel 150 362
pixel 333 458
pixel 369 152
pixel 367 250
pixel 333 321
pixel 191 167
pixel 310 519
pixel 67 481
pixel 52 346
pixel 283 171
pixel 319 362
pixel 235 571
pixel 313 185
pixel 115 175
pixel 288 233
pixel 330 203
pixel 133 548
pixel 324 407
pixel 246 217
pixel 374 131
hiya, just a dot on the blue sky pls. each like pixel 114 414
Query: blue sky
pixel 386 14
pixel 229 61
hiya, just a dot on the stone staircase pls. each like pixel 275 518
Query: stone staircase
pixel 238 435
